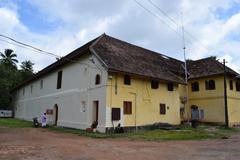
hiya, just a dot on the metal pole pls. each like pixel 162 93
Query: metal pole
pixel 185 65
pixel 225 95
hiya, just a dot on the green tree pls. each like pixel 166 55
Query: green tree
pixel 9 57
pixel 26 70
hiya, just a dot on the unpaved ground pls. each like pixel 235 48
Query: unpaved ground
pixel 40 144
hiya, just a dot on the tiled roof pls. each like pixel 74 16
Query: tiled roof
pixel 207 67
pixel 120 56
pixel 124 57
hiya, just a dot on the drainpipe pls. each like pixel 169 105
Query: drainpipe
pixel 135 109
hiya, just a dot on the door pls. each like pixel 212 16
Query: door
pixel 55 114
pixel 95 111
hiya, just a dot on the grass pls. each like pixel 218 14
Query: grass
pixel 184 133
pixel 15 123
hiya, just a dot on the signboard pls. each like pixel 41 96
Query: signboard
pixel 49 111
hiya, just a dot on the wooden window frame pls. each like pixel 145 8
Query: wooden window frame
pixel 97 79
pixel 195 86
pixel 231 84
pixel 238 86
pixel 170 87
pixel 127 107
pixel 162 109
pixel 127 80
pixel 210 85
pixel 116 114
pixel 154 84
pixel 59 80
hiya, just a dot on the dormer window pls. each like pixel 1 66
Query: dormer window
pixel 97 79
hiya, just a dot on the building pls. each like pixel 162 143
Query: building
pixel 206 91
pixel 112 82
pixel 108 81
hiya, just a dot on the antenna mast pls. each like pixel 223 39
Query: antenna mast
pixel 185 67
pixel 184 51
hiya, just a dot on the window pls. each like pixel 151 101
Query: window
pixel 83 106
pixel 238 86
pixel 195 86
pixel 127 107
pixel 154 84
pixel 162 108
pixel 97 79
pixel 41 84
pixel 59 80
pixel 170 86
pixel 127 80
pixel 210 85
pixel 31 88
pixel 231 85
pixel 116 114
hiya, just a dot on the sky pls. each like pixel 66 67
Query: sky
pixel 212 27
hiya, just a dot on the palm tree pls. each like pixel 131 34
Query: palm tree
pixel 27 66
pixel 9 57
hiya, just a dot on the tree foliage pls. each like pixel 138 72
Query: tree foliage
pixel 11 76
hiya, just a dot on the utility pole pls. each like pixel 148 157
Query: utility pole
pixel 225 95
pixel 185 63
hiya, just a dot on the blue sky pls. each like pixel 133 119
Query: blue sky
pixel 61 26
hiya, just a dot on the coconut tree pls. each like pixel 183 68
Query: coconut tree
pixel 27 66
pixel 26 70
pixel 8 57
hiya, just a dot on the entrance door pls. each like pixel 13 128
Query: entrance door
pixel 55 114
pixel 95 110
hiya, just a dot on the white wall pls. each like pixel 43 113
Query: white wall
pixel 78 85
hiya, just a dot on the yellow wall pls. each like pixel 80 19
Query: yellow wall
pixel 145 101
pixel 212 101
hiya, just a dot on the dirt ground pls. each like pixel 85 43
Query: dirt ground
pixel 40 144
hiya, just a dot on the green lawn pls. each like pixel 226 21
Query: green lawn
pixel 14 123
pixel 184 133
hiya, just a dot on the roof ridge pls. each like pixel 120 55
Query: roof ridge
pixel 210 57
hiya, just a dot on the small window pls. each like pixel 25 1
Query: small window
pixel 97 79
pixel 116 114
pixel 162 108
pixel 127 107
pixel 59 80
pixel 170 87
pixel 154 84
pixel 31 88
pixel 41 84
pixel 127 80
pixel 83 106
pixel 238 86
pixel 195 86
pixel 231 85
pixel 210 85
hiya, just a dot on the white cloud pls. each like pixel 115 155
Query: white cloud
pixel 82 21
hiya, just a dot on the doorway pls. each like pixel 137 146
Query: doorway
pixel 95 111
pixel 55 113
